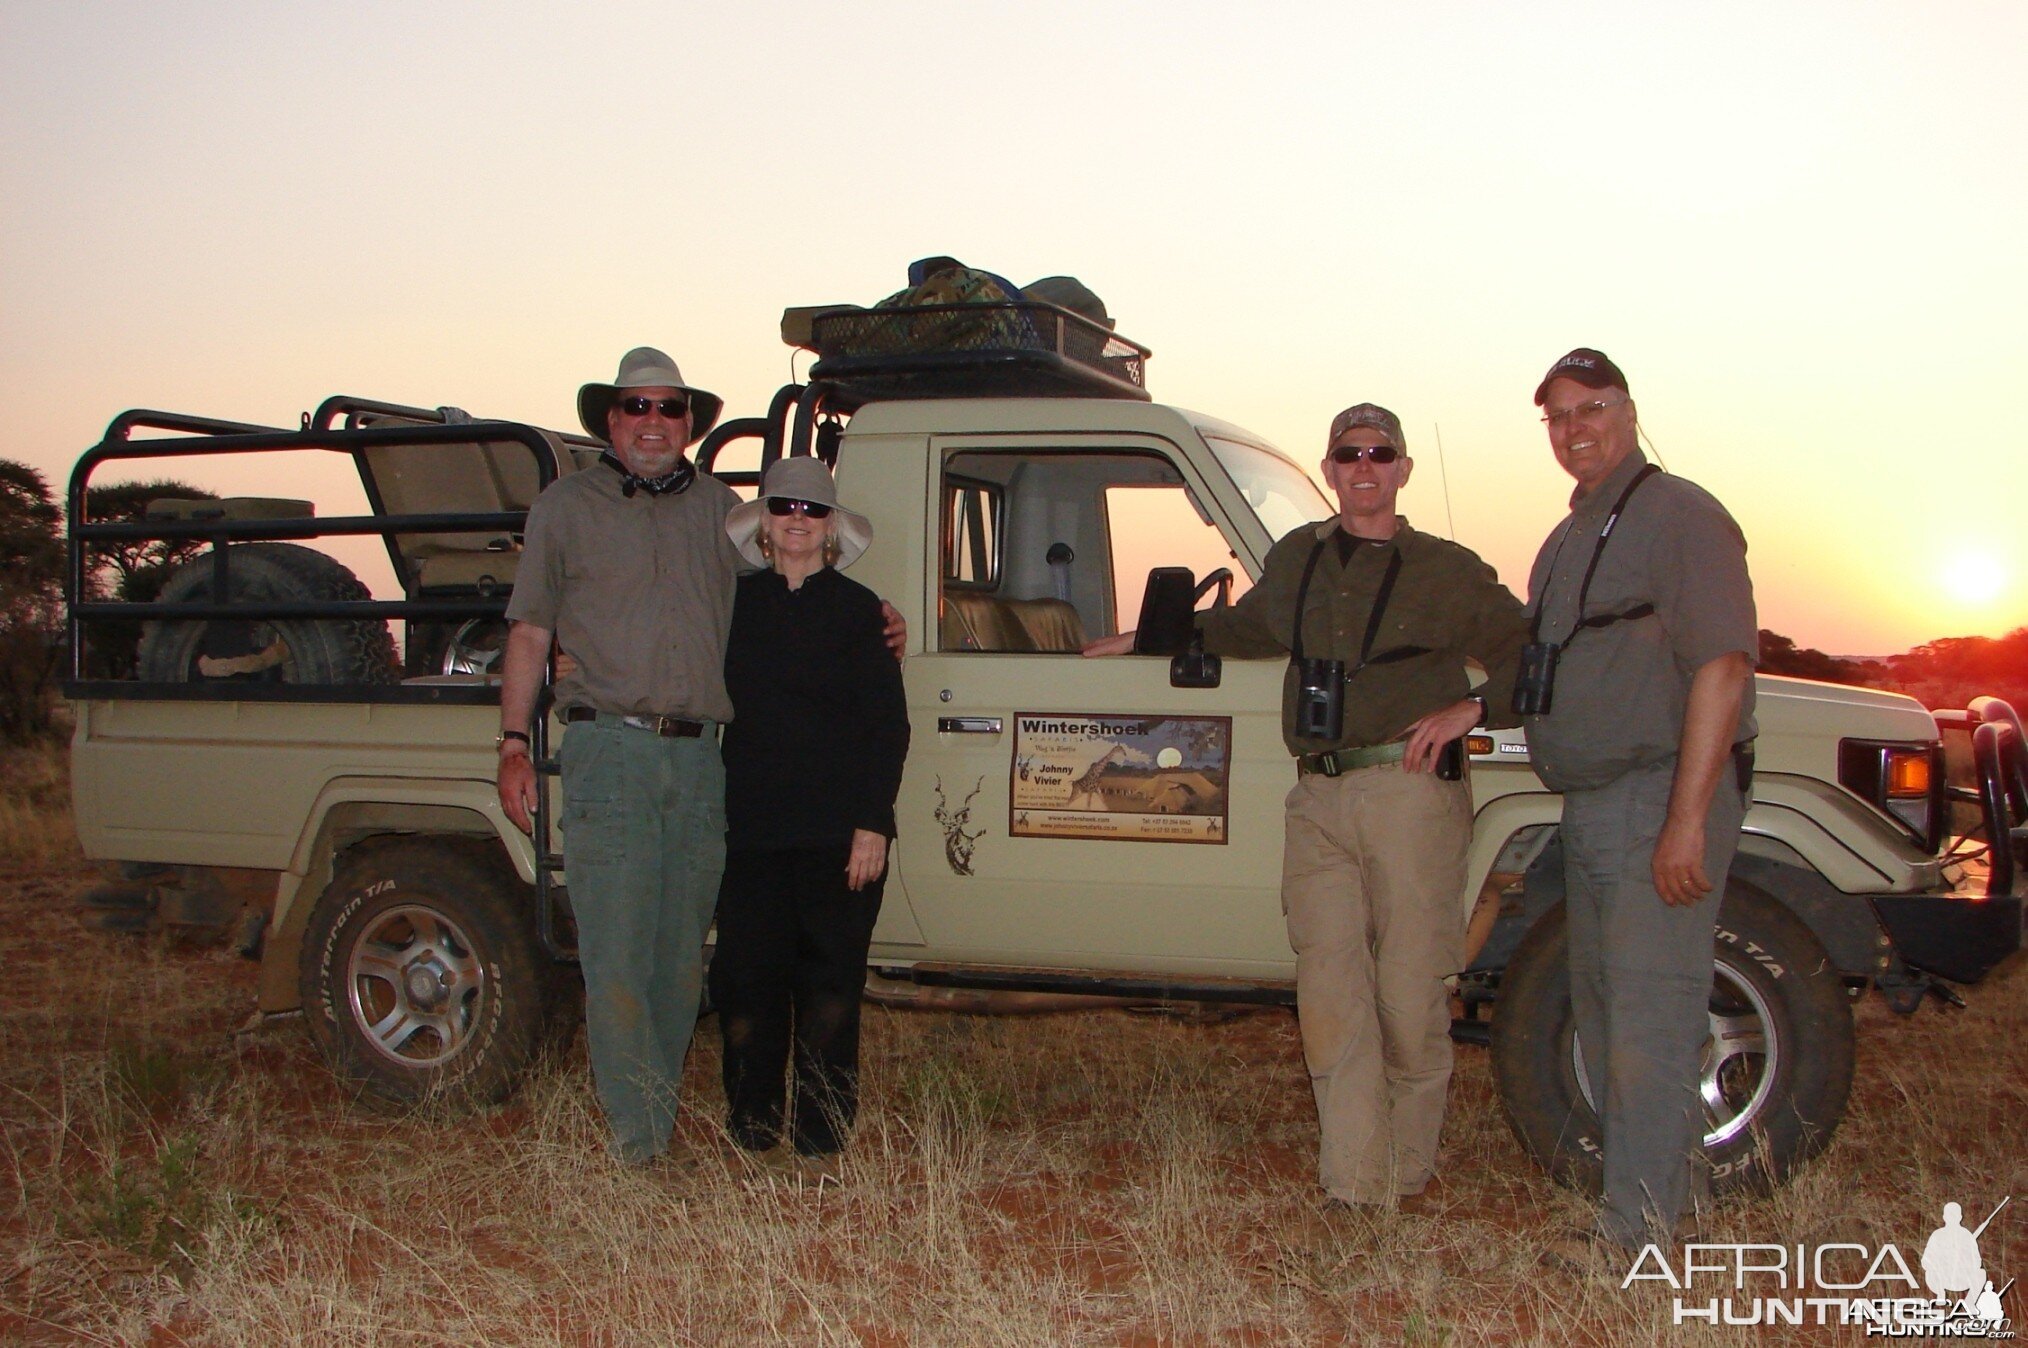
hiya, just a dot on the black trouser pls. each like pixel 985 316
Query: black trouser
pixel 791 952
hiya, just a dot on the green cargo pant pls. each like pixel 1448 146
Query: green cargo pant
pixel 644 846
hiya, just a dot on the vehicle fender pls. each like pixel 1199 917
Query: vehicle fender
pixel 349 809
pixel 1495 825
pixel 1802 844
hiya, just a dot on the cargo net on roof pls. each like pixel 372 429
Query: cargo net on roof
pixel 984 328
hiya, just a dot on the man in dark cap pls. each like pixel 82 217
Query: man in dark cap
pixel 1641 607
pixel 1379 618
pixel 628 567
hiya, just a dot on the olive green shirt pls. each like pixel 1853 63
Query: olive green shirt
pixel 1445 600
pixel 637 588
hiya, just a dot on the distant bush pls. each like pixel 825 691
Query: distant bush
pixel 1948 672
pixel 31 603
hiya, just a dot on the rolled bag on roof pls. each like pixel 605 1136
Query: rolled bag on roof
pixel 938 284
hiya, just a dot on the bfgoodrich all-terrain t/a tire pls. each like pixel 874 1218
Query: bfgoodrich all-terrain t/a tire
pixel 1775 1071
pixel 420 974
pixel 281 650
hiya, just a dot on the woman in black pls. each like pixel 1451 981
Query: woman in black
pixel 813 760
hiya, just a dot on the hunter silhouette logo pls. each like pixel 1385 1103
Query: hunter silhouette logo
pixel 1951 1264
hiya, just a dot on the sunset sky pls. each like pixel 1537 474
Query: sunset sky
pixel 1797 226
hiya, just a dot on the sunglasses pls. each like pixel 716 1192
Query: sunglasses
pixel 789 505
pixel 671 408
pixel 1371 453
pixel 1581 412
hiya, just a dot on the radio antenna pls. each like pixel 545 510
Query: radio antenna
pixel 1642 431
pixel 1445 473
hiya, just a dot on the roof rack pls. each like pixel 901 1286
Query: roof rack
pixel 986 350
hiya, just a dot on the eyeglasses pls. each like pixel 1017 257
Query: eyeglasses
pixel 789 505
pixel 671 408
pixel 1581 412
pixel 1370 453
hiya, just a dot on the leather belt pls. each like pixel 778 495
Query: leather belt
pixel 1336 762
pixel 670 727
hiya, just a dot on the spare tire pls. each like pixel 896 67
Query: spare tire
pixel 282 650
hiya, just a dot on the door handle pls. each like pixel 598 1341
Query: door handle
pixel 968 725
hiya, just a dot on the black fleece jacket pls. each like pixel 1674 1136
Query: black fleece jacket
pixel 820 725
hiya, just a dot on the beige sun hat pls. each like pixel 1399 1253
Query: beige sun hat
pixel 802 478
pixel 645 367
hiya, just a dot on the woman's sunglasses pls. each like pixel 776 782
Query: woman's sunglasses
pixel 789 505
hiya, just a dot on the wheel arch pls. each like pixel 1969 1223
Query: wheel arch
pixel 1795 867
pixel 351 811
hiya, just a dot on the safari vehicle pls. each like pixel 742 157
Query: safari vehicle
pixel 1108 827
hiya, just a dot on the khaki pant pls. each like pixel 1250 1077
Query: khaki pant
pixel 1373 877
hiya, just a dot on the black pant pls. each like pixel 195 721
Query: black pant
pixel 792 951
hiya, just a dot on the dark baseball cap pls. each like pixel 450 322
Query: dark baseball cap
pixel 1370 415
pixel 1593 369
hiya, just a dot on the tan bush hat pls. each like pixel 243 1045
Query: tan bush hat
pixel 802 478
pixel 645 367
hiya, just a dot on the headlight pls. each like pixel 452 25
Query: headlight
pixel 1905 779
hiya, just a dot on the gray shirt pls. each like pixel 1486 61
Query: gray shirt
pixel 637 588
pixel 1621 689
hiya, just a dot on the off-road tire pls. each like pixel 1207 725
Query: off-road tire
pixel 420 973
pixel 328 651
pixel 1771 977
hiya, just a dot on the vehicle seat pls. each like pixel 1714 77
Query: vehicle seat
pixel 1051 624
pixel 979 622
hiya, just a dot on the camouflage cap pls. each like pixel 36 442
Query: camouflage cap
pixel 1369 415
pixel 1593 369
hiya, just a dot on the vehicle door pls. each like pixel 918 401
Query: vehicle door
pixel 1080 812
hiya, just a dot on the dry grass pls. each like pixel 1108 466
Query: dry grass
pixel 1100 1178
pixel 35 822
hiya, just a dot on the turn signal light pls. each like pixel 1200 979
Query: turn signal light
pixel 1907 774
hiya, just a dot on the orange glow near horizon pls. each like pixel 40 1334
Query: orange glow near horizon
pixel 1776 216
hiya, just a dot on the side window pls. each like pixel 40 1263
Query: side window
pixel 971 532
pixel 1041 548
pixel 1159 525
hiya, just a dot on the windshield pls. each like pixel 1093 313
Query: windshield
pixel 1281 495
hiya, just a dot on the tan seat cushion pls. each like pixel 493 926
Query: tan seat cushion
pixel 1051 624
pixel 979 622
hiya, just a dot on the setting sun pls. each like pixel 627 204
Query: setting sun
pixel 1973 576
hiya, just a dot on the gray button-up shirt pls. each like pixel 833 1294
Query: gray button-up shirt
pixel 637 588
pixel 1621 689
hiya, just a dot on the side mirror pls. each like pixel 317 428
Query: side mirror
pixel 1195 669
pixel 1166 626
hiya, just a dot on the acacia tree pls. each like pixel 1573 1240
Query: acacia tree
pixel 130 569
pixel 31 601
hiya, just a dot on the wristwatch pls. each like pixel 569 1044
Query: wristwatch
pixel 1484 710
pixel 500 740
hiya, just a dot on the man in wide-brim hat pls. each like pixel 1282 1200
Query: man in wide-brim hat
pixel 628 568
pixel 645 373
